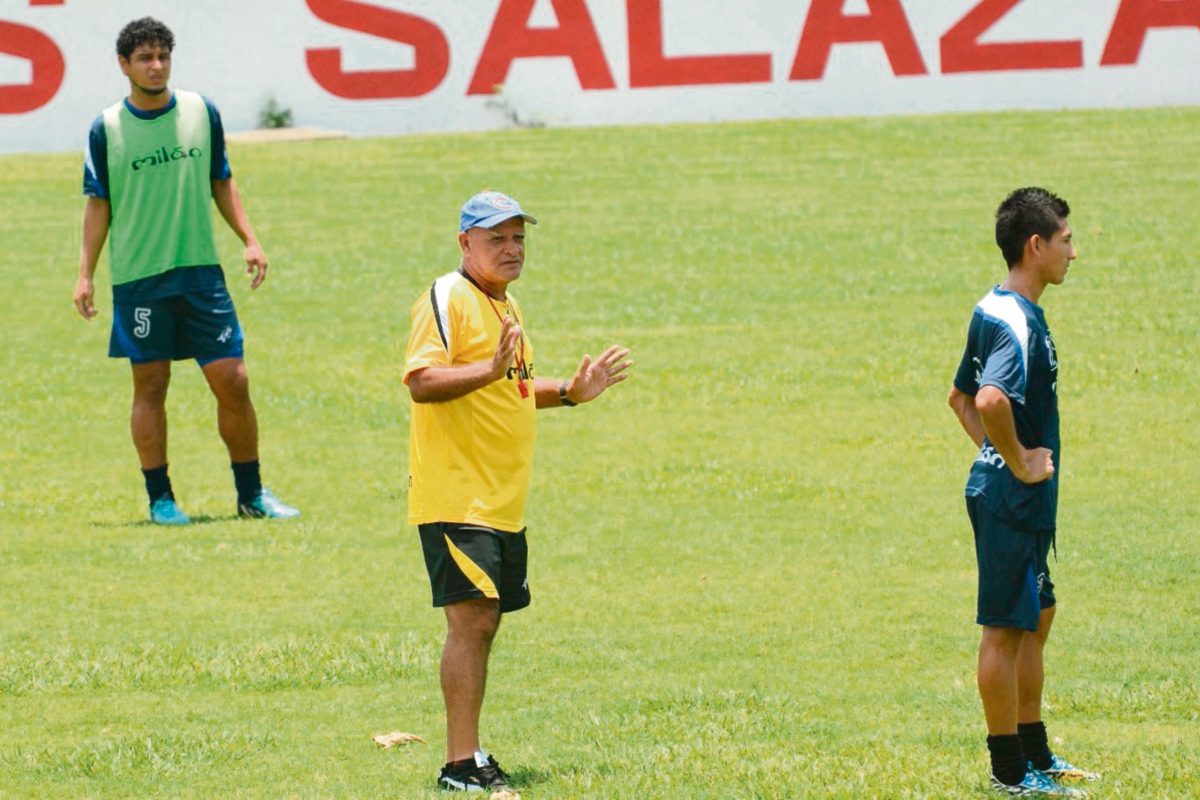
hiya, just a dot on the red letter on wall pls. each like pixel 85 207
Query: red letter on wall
pixel 827 26
pixel 512 38
pixel 649 67
pixel 1136 17
pixel 432 52
pixel 48 68
pixel 962 52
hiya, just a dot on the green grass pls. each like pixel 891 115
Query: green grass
pixel 751 564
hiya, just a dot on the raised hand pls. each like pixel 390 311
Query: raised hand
pixel 506 350
pixel 593 377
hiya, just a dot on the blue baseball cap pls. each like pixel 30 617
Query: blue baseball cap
pixel 489 209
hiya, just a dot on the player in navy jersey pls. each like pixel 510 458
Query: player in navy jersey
pixel 1005 395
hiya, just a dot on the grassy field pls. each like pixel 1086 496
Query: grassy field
pixel 751 565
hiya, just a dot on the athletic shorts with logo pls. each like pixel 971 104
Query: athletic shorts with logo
pixel 469 561
pixel 202 325
pixel 1014 576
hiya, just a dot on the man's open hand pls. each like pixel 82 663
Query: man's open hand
pixel 593 377
pixel 506 349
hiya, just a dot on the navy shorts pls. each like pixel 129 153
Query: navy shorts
pixel 469 561
pixel 1014 577
pixel 200 325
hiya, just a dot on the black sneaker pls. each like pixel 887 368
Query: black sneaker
pixel 492 763
pixel 484 775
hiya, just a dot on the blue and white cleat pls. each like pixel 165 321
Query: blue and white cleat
pixel 1036 784
pixel 1062 770
pixel 267 506
pixel 163 511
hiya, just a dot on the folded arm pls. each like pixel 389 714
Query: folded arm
pixel 439 384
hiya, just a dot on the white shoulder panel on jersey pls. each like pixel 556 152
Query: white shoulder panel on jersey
pixel 89 163
pixel 1006 310
pixel 440 296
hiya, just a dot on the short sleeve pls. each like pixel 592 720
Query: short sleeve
pixel 426 347
pixel 220 170
pixel 95 161
pixel 1004 364
pixel 966 379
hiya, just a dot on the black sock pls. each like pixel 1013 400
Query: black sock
pixel 247 480
pixel 458 766
pixel 1008 760
pixel 158 485
pixel 1033 742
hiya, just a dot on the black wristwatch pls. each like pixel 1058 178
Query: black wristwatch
pixel 562 395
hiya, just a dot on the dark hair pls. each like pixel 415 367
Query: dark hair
pixel 146 30
pixel 1025 213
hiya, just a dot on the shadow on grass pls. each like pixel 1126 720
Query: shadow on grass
pixel 199 519
pixel 527 777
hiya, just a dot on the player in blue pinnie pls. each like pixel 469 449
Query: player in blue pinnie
pixel 1006 397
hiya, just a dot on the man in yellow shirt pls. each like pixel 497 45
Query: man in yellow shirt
pixel 470 371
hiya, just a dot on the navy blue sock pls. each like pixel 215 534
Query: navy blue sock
pixel 1008 759
pixel 1033 742
pixel 158 485
pixel 247 480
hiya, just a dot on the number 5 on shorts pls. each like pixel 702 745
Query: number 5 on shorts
pixel 142 317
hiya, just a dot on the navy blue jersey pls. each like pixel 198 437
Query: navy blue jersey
pixel 1009 347
pixel 95 184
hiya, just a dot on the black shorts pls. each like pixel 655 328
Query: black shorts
pixel 201 325
pixel 1014 577
pixel 468 561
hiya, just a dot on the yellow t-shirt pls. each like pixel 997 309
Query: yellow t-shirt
pixel 470 458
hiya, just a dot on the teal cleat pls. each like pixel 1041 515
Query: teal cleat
pixel 163 511
pixel 1061 770
pixel 267 506
pixel 1036 784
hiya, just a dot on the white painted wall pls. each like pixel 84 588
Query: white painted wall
pixel 240 52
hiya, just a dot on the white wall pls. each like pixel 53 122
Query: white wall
pixel 239 52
